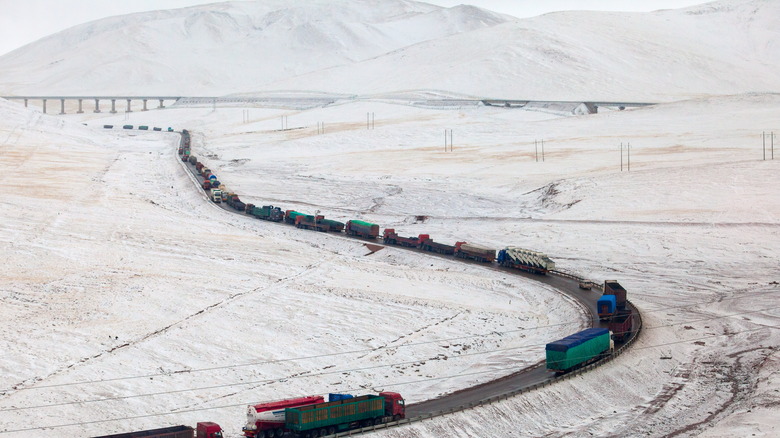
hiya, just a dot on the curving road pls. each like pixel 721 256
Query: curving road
pixel 523 378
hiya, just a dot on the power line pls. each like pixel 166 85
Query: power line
pixel 341 371
pixel 384 386
pixel 367 350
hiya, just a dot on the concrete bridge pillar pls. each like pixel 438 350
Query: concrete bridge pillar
pixel 113 106
pixel 161 104
pixel 128 106
pixel 80 111
pixel 62 106
pixel 145 105
pixel 25 103
pixel 44 106
pixel 97 105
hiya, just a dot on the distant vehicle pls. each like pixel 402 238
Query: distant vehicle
pixel 526 260
pixel 362 229
pixel 143 128
pixel 216 194
pixel 127 127
pixel 203 430
pixel 612 287
pixel 474 252
pixel 578 350
pixel 392 238
pixel 108 126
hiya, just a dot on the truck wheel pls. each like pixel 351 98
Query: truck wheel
pixel 377 421
pixel 331 430
pixel 279 433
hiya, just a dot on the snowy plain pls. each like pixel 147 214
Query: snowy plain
pixel 126 295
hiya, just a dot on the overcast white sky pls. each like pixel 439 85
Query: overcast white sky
pixel 25 21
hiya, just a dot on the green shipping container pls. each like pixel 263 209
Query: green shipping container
pixel 567 353
pixel 336 413
pixel 365 224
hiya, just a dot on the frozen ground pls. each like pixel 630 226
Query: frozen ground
pixel 125 293
pixel 114 255
pixel 130 302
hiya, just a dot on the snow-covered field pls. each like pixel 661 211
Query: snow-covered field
pixel 121 275
pixel 130 302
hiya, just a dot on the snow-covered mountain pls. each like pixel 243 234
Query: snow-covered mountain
pixel 374 46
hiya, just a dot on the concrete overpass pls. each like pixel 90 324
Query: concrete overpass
pixel 97 100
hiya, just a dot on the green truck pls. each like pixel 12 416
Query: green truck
pixel 322 419
pixel 579 349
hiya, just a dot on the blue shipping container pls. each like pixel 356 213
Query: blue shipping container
pixel 606 306
pixel 335 397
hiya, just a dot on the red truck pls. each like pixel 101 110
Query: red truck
pixel 266 420
pixel 203 430
pixel 441 248
pixel 391 237
pixel 474 252
pixel 621 325
pixel 310 222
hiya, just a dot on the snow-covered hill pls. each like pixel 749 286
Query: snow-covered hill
pixel 367 47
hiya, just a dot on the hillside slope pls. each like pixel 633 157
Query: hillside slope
pixel 368 47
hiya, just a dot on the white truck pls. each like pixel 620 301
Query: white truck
pixel 216 195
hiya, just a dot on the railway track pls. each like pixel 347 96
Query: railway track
pixel 525 380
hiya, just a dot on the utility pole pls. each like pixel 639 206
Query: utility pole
pixel 621 156
pixel 542 150
pixel 536 150
pixel 628 152
pixel 763 140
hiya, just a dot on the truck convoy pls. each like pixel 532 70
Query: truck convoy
pixel 309 417
pixel 578 350
pixel 203 430
pixel 526 260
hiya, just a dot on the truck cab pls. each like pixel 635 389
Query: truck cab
pixel 216 195
pixel 207 429
pixel 395 406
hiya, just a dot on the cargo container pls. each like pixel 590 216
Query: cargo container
pixel 328 418
pixel 233 201
pixel 198 166
pixel 192 159
pixel 266 212
pixel 474 252
pixel 362 229
pixel 336 397
pixel 578 350
pixel 158 129
pixel 203 430
pixel 525 260
pixel 143 128
pixel 291 215
pixel 311 222
pixel 206 185
pixel 612 287
pixel 127 127
pixel 621 325
pixel 441 248
pixel 606 307
pixel 392 238
pixel 333 225
pixel 265 420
